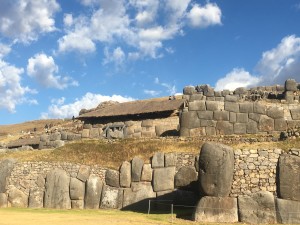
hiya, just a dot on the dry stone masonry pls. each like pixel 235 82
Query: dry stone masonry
pixel 259 110
pixel 224 185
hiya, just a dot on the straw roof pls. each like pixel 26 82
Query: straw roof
pixel 135 108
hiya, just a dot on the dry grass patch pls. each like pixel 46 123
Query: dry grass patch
pixel 111 155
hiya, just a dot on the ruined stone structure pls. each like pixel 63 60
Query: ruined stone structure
pixel 146 118
pixel 244 182
pixel 259 110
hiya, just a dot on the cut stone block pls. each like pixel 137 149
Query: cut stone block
pixel 216 210
pixel 163 179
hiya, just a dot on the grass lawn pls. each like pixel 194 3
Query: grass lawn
pixel 18 216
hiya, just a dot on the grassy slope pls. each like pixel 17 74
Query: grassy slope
pixel 111 155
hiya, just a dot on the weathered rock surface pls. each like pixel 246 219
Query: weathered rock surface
pixel 163 179
pixel 36 198
pixel 112 178
pixel 147 173
pixel 17 198
pixel 83 173
pixel 125 174
pixel 289 179
pixel 216 210
pixel 257 208
pixel 290 85
pixel 3 200
pixel 288 211
pixel 138 195
pixel 216 164
pixel 6 166
pixel 186 176
pixel 158 160
pixel 170 159
pixel 57 190
pixel 77 204
pixel 136 169
pixel 93 192
pixel 111 198
pixel 77 189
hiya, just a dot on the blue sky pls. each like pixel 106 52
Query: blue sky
pixel 57 56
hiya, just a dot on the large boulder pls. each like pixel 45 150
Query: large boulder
pixel 136 169
pixel 138 195
pixel 186 176
pixel 290 85
pixel 125 174
pixel 3 200
pixel 112 198
pixel 163 179
pixel 216 165
pixel 93 192
pixel 57 193
pixel 36 196
pixel 216 210
pixel 17 198
pixel 77 189
pixel 112 178
pixel 289 180
pixel 257 208
pixel 6 166
pixel 288 212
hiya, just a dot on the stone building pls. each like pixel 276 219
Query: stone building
pixel 144 118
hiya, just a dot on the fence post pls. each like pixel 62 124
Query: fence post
pixel 172 210
pixel 149 205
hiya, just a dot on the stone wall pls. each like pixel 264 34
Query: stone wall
pixel 209 112
pixel 132 129
pixel 167 176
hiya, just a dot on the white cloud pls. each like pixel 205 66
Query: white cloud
pixel 68 20
pixel 88 101
pixel 152 93
pixel 274 67
pixel 117 56
pixel 24 20
pixel 140 26
pixel 44 70
pixel 205 16
pixel 281 62
pixel 4 50
pixel 177 9
pixel 170 89
pixel 12 92
pixel 238 77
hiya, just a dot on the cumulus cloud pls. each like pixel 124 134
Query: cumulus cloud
pixel 205 16
pixel 238 77
pixel 12 92
pixel 24 20
pixel 44 70
pixel 274 67
pixel 139 26
pixel 281 62
pixel 60 110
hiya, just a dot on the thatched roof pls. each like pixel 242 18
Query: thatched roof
pixel 135 108
pixel 24 142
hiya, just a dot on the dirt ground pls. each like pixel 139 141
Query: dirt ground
pixel 13 216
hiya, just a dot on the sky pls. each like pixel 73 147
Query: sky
pixel 59 56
